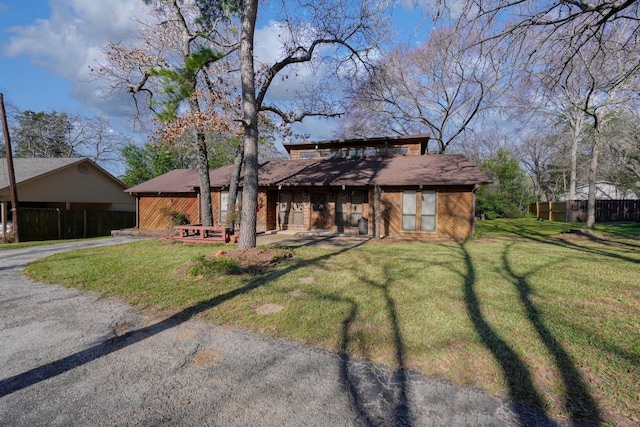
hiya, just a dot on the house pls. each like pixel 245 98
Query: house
pixel 604 191
pixel 340 186
pixel 69 184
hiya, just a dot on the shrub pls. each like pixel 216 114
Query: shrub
pixel 201 266
pixel 174 217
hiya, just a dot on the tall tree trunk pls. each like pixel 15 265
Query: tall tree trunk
pixel 202 166
pixel 575 136
pixel 233 185
pixel 250 109
pixel 593 168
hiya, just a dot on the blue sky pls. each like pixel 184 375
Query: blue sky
pixel 46 49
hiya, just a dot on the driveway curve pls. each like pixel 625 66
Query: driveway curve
pixel 70 358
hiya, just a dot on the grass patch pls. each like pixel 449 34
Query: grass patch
pixel 546 317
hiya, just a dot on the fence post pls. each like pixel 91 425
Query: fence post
pixel 59 224
pixel 84 223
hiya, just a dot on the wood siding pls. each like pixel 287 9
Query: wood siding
pixel 152 206
pixel 454 212
pixel 262 216
pixel 454 215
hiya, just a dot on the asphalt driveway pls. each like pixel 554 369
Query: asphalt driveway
pixel 70 358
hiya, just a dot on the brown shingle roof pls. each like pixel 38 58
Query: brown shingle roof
pixel 402 170
pixel 176 181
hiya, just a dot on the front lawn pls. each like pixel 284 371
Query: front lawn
pixel 528 313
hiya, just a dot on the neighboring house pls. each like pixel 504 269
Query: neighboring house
pixel 70 184
pixel 604 191
pixel 332 185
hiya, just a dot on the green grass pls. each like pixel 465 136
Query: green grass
pixel 531 314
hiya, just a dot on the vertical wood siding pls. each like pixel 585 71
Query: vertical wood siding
pixel 151 207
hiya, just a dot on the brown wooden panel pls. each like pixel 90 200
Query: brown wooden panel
pixel 261 224
pixel 151 213
pixel 391 205
pixel 455 214
pixel 272 208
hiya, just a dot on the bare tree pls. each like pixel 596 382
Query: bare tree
pixel 593 42
pixel 438 88
pixel 339 33
pixel 55 134
pixel 622 149
pixel 171 67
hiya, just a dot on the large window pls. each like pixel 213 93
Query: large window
pixel 428 217
pixel 426 199
pixel 409 210
pixel 224 200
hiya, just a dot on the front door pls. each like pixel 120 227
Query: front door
pixel 284 207
pixel 342 209
pixel 298 214
pixel 319 211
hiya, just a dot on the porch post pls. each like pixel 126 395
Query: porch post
pixel 3 218
pixel 377 215
pixel 137 211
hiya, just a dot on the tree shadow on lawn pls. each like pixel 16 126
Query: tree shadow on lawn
pixel 579 403
pixel 571 240
pixel 380 398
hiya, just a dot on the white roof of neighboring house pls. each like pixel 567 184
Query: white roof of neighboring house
pixel 604 191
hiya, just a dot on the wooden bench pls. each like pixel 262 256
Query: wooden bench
pixel 197 233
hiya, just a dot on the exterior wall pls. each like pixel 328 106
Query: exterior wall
pixel 261 225
pixel 272 207
pixel 151 209
pixel 80 185
pixel 454 214
pixel 412 150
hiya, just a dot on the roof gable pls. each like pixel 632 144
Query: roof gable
pixel 29 169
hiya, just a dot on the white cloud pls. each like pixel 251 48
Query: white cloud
pixel 68 41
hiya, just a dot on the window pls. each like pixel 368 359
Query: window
pixel 319 201
pixel 428 217
pixel 341 208
pixel 308 155
pixel 409 210
pixel 330 154
pixel 224 200
pixel 401 151
pixel 427 210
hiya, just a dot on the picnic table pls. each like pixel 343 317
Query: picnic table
pixel 198 233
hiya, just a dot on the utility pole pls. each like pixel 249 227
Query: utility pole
pixel 12 175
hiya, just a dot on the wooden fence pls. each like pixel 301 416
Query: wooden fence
pixel 576 210
pixel 52 224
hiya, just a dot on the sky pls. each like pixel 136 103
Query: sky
pixel 47 47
